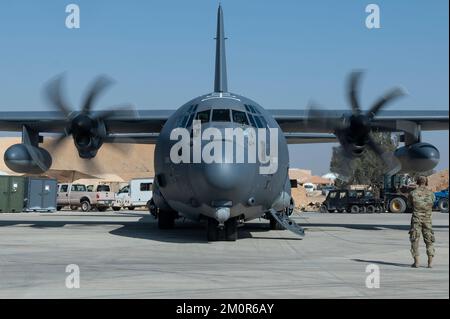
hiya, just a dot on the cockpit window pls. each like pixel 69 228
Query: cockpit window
pixel 263 121
pixel 183 121
pixel 203 116
pixel 258 122
pixel 191 118
pixel 252 109
pixel 240 117
pixel 192 108
pixel 221 116
pixel 252 120
pixel 186 121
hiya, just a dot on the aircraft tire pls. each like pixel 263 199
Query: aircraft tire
pixel 152 208
pixel 166 220
pixel 212 230
pixel 231 229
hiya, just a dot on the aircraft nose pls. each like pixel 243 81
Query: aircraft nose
pixel 225 176
pixel 228 176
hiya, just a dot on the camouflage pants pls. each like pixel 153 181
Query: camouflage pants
pixel 428 237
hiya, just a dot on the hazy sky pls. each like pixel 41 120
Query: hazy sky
pixel 280 53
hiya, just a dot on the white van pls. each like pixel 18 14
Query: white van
pixel 137 194
pixel 309 187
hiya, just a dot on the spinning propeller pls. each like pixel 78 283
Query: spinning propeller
pixel 353 130
pixel 86 127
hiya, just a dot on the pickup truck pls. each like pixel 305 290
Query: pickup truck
pixel 99 197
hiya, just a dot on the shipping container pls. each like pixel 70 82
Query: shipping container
pixel 12 193
pixel 40 195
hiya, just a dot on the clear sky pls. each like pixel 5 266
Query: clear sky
pixel 280 53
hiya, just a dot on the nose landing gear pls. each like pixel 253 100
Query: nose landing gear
pixel 228 231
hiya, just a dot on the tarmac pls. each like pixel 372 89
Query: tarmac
pixel 125 255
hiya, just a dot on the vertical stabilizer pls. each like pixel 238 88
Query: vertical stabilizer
pixel 220 81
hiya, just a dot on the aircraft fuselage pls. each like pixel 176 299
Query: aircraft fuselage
pixel 198 189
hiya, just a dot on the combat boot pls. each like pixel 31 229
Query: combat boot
pixel 416 262
pixel 430 261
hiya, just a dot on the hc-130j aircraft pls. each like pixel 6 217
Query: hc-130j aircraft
pixel 223 192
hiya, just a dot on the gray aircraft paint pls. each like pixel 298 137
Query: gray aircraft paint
pixel 215 185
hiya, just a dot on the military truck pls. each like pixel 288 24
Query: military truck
pixel 392 197
pixel 441 202
pixel 351 201
pixel 395 192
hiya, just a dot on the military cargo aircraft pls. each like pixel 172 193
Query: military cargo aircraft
pixel 196 177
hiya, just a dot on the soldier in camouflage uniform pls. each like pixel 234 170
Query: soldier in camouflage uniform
pixel 421 200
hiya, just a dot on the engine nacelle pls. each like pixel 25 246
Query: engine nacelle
pixel 87 145
pixel 18 159
pixel 418 157
pixel 352 145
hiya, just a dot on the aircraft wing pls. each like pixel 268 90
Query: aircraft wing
pixel 144 126
pixel 147 121
pixel 296 121
pixel 140 127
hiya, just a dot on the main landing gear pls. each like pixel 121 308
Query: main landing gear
pixel 166 219
pixel 228 231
